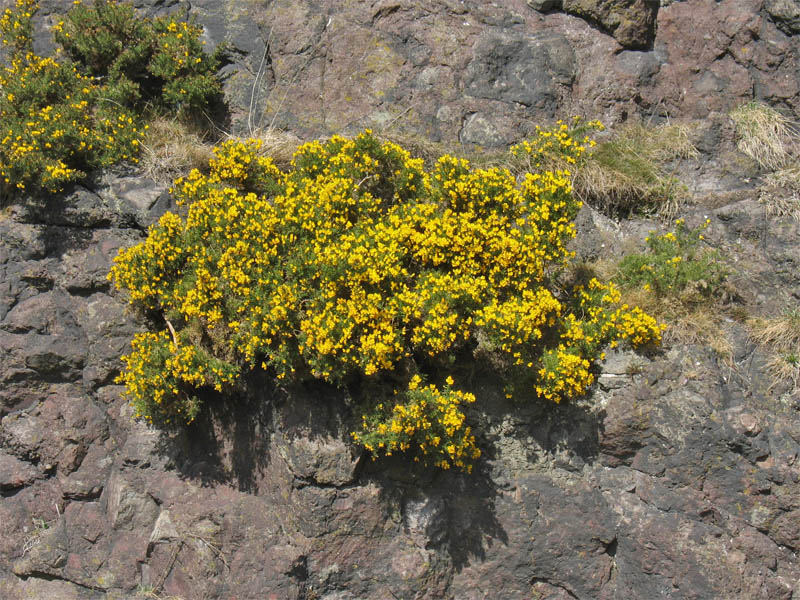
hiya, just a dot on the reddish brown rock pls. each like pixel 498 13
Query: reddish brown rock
pixel 677 476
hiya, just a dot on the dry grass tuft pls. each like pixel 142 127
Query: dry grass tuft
pixel 780 337
pixel 35 537
pixel 765 135
pixel 689 319
pixel 780 193
pixel 628 173
pixel 277 144
pixel 171 149
pixel 149 593
pixel 773 141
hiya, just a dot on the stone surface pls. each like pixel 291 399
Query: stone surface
pixel 678 476
pixel 631 22
pixel 526 70
pixel 678 473
pixel 484 73
pixel 785 13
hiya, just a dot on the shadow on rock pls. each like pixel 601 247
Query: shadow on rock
pixel 525 432
pixel 228 444
pixel 449 513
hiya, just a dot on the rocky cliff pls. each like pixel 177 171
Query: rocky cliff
pixel 677 477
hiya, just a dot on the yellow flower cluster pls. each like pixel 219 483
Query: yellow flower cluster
pixel 518 323
pixel 565 369
pixel 15 25
pixel 429 420
pixel 152 265
pixel 161 375
pixel 564 375
pixel 357 260
pixel 562 143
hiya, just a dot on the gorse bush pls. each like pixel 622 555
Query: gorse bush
pixel 60 117
pixel 54 121
pixel 149 62
pixel 359 264
pixel 426 418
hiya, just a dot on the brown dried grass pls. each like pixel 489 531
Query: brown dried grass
pixel 780 338
pixel 765 135
pixel 171 149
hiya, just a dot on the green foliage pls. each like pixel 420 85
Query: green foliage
pixel 56 121
pixel 626 173
pixel 61 117
pixel 158 63
pixel 357 264
pixel 674 264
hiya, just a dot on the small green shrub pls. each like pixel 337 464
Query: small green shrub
pixel 675 264
pixel 358 264
pixel 157 63
pixel 681 283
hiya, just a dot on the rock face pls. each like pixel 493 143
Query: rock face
pixel 785 13
pixel 485 72
pixel 677 477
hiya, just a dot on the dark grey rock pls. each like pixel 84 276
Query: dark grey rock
pixel 544 5
pixel 642 66
pixel 324 461
pixel 528 70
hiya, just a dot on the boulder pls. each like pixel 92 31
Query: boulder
pixel 631 22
